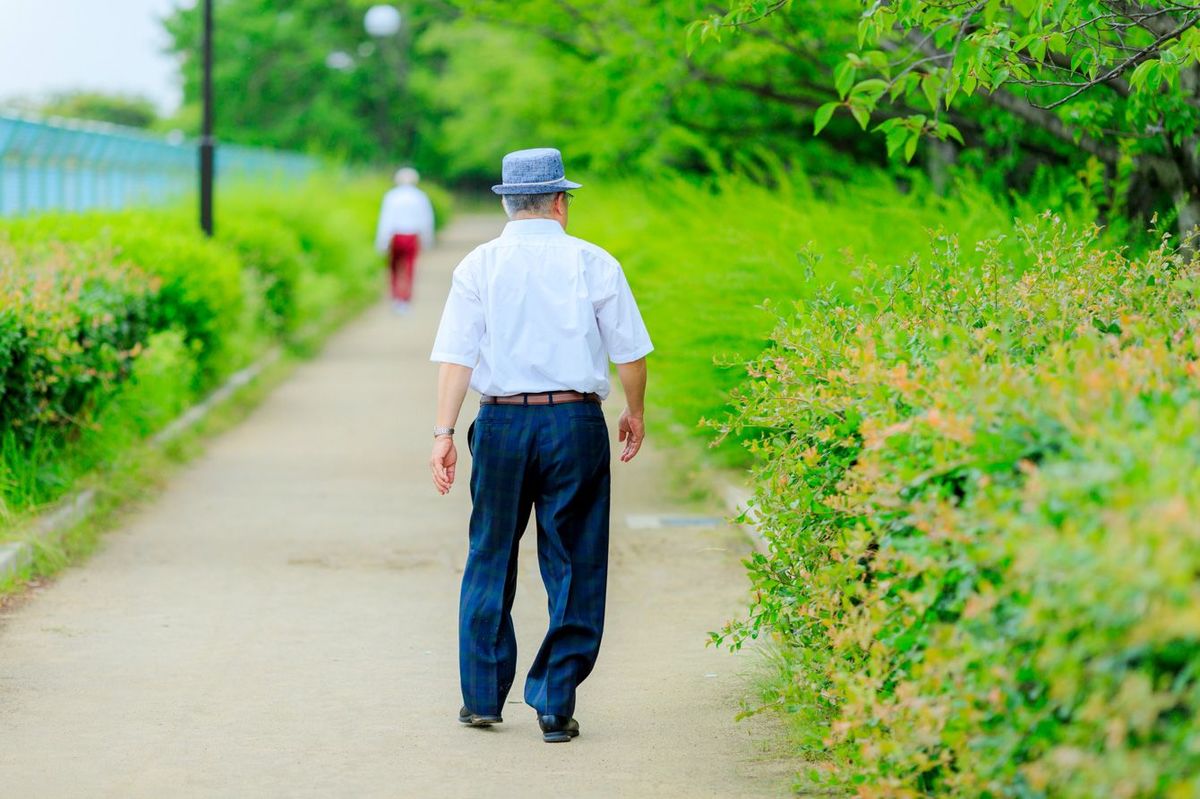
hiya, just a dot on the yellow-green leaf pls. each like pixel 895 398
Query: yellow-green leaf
pixel 822 117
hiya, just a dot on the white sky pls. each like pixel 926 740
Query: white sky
pixel 107 45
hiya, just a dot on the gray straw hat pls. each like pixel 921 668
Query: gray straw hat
pixel 537 171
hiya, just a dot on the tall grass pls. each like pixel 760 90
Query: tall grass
pixel 704 258
pixel 42 469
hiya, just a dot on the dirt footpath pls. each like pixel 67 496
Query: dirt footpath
pixel 281 621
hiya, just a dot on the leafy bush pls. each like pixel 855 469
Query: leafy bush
pixel 70 323
pixel 46 463
pixel 109 321
pixel 200 286
pixel 981 493
pixel 273 252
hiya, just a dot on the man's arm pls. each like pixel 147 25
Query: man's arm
pixel 632 425
pixel 453 381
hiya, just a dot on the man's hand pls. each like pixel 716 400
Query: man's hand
pixel 442 463
pixel 632 425
pixel 452 388
pixel 632 429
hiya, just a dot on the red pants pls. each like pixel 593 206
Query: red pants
pixel 403 263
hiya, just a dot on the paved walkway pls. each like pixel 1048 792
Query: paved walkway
pixel 281 621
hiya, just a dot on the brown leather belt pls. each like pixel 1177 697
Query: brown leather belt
pixel 541 398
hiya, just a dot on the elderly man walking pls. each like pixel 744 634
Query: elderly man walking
pixel 532 320
pixel 405 226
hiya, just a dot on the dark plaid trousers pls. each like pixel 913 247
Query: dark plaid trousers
pixel 553 459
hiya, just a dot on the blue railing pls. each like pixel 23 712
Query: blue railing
pixel 71 165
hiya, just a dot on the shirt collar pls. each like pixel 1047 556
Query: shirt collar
pixel 533 227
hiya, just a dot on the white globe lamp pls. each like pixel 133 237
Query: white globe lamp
pixel 382 21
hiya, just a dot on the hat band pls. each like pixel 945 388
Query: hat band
pixel 537 182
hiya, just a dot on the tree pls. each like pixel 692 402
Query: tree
pixel 118 109
pixel 615 82
pixel 307 77
pixel 608 80
pixel 1115 80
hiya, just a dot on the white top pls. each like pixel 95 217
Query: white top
pixel 405 209
pixel 538 310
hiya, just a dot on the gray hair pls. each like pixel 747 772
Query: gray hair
pixel 407 176
pixel 536 204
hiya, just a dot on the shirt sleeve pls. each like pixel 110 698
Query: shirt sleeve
pixel 621 326
pixel 461 330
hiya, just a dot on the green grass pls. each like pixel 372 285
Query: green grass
pixel 157 391
pixel 703 260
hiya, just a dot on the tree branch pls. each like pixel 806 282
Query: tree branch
pixel 1144 54
pixel 816 94
pixel 1049 122
pixel 1044 119
pixel 1159 22
pixel 1063 66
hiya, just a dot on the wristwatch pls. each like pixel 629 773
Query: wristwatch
pixel 438 432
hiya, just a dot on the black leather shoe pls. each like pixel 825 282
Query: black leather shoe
pixel 558 729
pixel 476 720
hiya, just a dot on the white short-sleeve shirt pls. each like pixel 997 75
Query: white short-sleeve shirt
pixel 405 209
pixel 538 310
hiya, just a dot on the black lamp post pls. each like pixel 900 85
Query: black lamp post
pixel 207 143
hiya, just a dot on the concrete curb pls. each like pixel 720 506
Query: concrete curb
pixel 16 555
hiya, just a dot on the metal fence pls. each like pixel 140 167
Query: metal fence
pixel 69 165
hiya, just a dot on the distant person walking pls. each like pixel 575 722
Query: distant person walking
pixel 405 226
pixel 532 320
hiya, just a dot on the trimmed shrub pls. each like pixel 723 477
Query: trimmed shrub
pixel 981 492
pixel 273 253
pixel 71 321
pixel 85 298
pixel 200 283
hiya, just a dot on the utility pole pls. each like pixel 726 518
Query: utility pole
pixel 207 143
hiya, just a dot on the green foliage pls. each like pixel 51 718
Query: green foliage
pixel 704 257
pixel 467 80
pixel 156 389
pixel 626 90
pixel 277 87
pixel 118 109
pixel 199 283
pixel 111 322
pixel 1020 86
pixel 1060 55
pixel 978 483
pixel 273 252
pixel 927 55
pixel 70 324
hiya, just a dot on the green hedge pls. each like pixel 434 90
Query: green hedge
pixel 70 324
pixel 981 493
pixel 84 298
